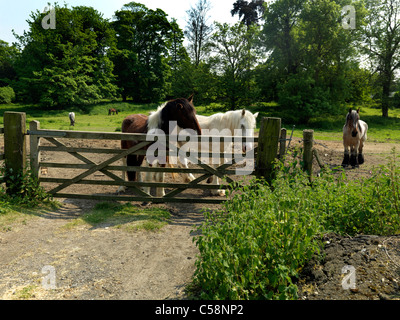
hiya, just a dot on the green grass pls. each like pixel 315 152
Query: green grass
pixel 126 217
pixel 96 118
pixel 14 215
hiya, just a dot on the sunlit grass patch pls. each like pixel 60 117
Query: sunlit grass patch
pixel 124 216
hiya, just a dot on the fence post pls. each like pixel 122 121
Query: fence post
pixel 14 144
pixel 282 144
pixel 268 141
pixel 34 148
pixel 308 140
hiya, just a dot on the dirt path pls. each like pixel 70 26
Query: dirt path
pixel 102 263
pixel 110 263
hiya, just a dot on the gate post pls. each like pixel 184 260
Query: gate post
pixel 268 140
pixel 34 148
pixel 14 144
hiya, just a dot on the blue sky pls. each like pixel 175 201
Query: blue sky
pixel 13 14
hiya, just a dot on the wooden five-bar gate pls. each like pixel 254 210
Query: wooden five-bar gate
pixel 266 149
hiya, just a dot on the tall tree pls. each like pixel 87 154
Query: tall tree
pixel 249 12
pixel 67 65
pixel 311 54
pixel 381 42
pixel 146 40
pixel 198 31
pixel 281 20
pixel 234 48
pixel 8 55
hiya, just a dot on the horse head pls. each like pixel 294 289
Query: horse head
pixel 352 122
pixel 247 125
pixel 183 112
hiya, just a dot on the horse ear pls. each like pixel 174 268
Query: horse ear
pixel 350 110
pixel 180 105
pixel 256 115
pixel 358 110
pixel 243 112
pixel 191 98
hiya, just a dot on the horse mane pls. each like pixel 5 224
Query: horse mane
pixel 155 120
pixel 228 120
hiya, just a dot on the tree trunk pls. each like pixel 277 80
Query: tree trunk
pixel 386 97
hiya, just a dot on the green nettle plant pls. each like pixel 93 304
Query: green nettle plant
pixel 22 188
pixel 255 247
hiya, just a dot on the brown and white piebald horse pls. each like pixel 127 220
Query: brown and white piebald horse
pixel 179 111
pixel 354 137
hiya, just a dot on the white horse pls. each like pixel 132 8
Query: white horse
pixel 225 124
pixel 72 118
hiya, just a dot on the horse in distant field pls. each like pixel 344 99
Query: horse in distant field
pixel 354 137
pixel 181 111
pixel 112 111
pixel 225 124
pixel 72 118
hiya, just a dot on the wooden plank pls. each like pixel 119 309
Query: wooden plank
pixel 136 184
pixel 209 155
pixel 139 199
pixel 95 135
pixel 99 167
pixel 80 150
pixel 130 168
pixel 34 143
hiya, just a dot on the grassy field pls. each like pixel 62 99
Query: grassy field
pixel 96 118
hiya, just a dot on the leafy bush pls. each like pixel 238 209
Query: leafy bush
pixel 7 95
pixel 302 99
pixel 255 247
pixel 22 188
pixel 368 206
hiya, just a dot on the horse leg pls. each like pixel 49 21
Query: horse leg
pixel 122 189
pixel 353 156
pixel 215 181
pixel 188 177
pixel 346 159
pixel 360 153
pixel 148 177
pixel 160 192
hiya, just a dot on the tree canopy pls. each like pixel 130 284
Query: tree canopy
pixel 299 53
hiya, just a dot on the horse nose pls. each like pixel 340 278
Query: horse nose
pixel 354 134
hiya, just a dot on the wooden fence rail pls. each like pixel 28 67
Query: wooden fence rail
pixel 271 141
